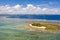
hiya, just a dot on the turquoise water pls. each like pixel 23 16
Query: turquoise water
pixel 12 29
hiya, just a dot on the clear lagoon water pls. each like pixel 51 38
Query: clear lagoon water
pixel 13 29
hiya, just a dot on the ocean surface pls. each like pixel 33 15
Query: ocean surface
pixel 13 29
pixel 46 17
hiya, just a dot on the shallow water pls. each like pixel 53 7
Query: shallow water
pixel 12 29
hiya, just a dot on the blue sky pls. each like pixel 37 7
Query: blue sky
pixel 53 3
pixel 43 4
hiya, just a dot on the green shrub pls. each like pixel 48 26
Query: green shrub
pixel 37 24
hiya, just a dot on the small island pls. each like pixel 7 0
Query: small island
pixel 40 28
pixel 43 26
pixel 48 27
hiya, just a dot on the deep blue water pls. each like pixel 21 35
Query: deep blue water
pixel 47 17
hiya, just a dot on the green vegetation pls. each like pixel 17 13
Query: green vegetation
pixel 37 24
pixel 48 27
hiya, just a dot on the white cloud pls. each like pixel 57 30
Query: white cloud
pixel 30 9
